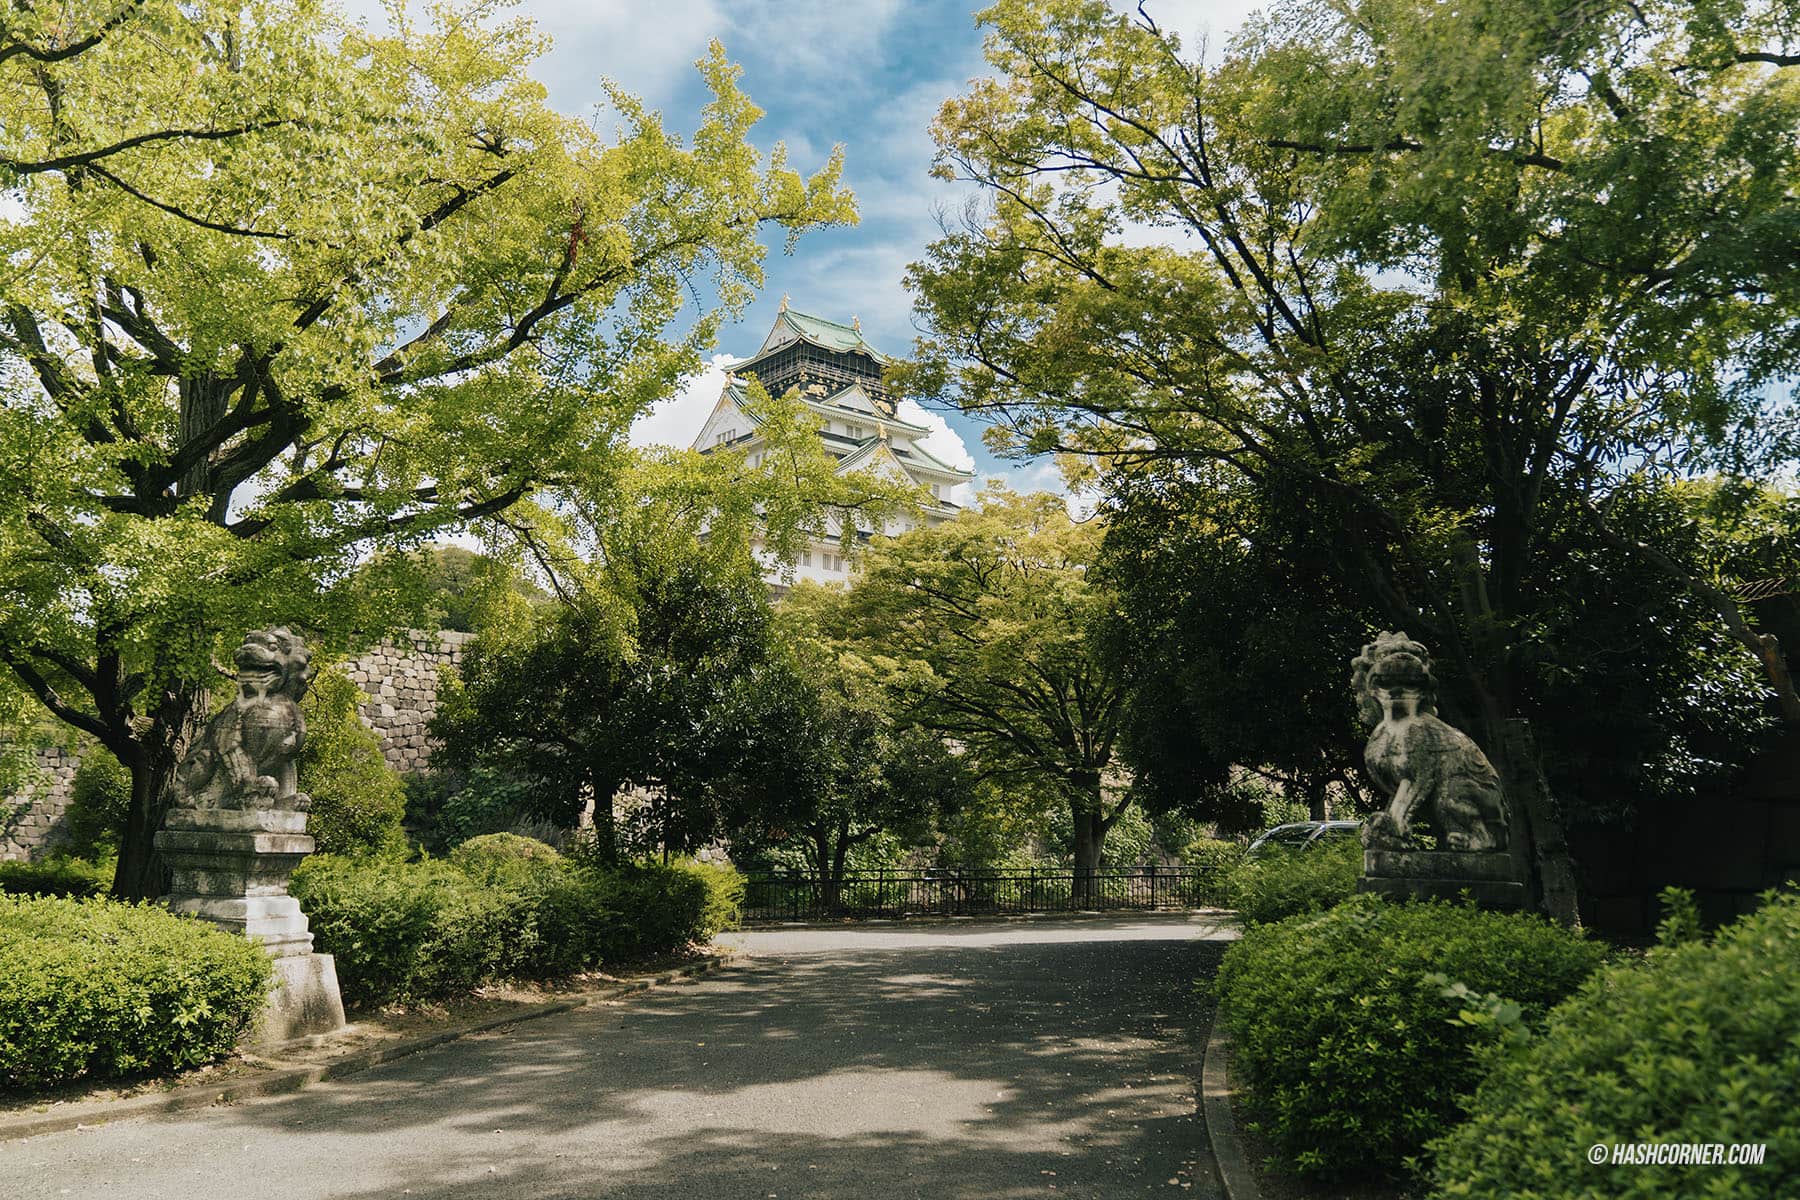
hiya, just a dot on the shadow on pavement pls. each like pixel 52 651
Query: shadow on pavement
pixel 946 1071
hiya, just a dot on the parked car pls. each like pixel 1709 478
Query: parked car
pixel 1302 835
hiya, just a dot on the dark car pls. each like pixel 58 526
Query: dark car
pixel 1302 835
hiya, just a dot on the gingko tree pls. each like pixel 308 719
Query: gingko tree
pixel 324 293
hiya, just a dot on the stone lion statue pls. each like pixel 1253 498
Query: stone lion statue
pixel 245 756
pixel 1421 764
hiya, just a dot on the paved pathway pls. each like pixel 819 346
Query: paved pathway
pixel 1039 1059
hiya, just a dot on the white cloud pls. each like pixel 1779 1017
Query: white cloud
pixel 945 444
pixel 1198 22
pixel 676 421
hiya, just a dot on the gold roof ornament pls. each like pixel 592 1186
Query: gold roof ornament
pixel 784 301
pixel 856 323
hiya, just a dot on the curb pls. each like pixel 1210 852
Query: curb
pixel 287 1077
pixel 1229 1158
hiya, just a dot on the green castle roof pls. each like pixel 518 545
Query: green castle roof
pixel 830 334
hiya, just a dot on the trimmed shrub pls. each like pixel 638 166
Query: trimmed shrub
pixel 1697 1043
pixel 98 989
pixel 1286 883
pixel 1213 854
pixel 661 906
pixel 1356 1028
pixel 404 932
pixel 71 877
pixel 357 799
pixel 99 803
pixel 483 856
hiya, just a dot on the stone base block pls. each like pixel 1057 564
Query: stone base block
pixel 304 1001
pixel 275 921
pixel 1441 864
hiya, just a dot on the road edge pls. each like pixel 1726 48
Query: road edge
pixel 289 1078
pixel 1228 1154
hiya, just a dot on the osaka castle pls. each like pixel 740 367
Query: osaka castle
pixel 838 375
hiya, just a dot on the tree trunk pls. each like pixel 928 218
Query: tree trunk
pixel 830 881
pixel 1544 847
pixel 1090 836
pixel 141 874
pixel 1316 807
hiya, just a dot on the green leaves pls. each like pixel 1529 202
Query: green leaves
pixel 95 989
pixel 1357 1027
pixel 281 293
pixel 1694 1043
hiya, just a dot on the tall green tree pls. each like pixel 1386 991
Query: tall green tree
pixel 639 682
pixel 835 764
pixel 1452 271
pixel 412 299
pixel 1232 630
pixel 980 629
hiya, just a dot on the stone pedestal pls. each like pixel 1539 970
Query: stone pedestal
pixel 1495 879
pixel 230 866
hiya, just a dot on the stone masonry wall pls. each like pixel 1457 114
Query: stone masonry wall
pixel 400 677
pixel 401 680
pixel 29 822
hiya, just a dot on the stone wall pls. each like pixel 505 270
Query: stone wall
pixel 400 677
pixel 29 823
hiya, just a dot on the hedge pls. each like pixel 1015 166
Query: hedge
pixel 99 989
pixel 1282 883
pixel 71 877
pixel 1356 1028
pixel 1696 1043
pixel 406 932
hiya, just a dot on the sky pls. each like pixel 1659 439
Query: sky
pixel 867 74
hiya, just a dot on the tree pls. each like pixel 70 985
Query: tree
pixel 1233 632
pixel 636 684
pixel 832 765
pixel 1447 270
pixel 424 303
pixel 357 799
pixel 88 87
pixel 979 628
pixel 460 581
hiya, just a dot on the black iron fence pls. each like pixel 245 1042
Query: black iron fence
pixel 799 896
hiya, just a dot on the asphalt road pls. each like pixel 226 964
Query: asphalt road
pixel 1043 1059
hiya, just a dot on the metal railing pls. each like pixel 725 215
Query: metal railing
pixel 800 896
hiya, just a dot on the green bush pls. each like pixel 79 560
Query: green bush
pixel 1697 1043
pixel 71 877
pixel 405 931
pixel 662 906
pixel 357 799
pixel 1284 883
pixel 97 989
pixel 1213 854
pixel 1356 1028
pixel 419 931
pixel 491 853
pixel 445 809
pixel 99 803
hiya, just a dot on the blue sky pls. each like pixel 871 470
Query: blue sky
pixel 869 74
